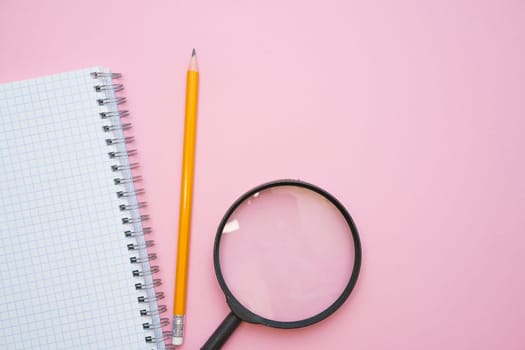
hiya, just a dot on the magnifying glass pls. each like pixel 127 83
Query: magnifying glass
pixel 287 255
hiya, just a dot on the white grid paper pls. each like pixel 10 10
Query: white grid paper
pixel 65 270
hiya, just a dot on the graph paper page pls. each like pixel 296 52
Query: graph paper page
pixel 65 270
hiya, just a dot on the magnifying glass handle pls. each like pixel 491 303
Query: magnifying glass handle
pixel 222 333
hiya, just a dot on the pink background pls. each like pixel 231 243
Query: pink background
pixel 410 112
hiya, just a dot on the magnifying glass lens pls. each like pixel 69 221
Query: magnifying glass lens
pixel 286 253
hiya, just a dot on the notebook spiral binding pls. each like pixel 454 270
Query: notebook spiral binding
pixel 133 220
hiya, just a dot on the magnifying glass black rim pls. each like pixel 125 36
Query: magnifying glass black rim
pixel 248 316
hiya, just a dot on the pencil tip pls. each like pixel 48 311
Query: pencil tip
pixel 193 53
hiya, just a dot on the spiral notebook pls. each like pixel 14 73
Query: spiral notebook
pixel 75 259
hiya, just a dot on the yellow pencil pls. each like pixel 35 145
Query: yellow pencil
pixel 186 189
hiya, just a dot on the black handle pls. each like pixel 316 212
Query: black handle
pixel 222 333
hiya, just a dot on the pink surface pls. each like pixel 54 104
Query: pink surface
pixel 410 112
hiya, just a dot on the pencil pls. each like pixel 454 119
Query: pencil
pixel 186 191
